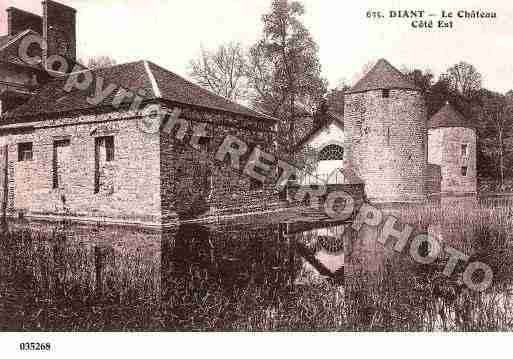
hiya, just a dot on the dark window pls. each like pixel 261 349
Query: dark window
pixel 388 136
pixel 255 184
pixel 103 152
pixel 25 151
pixel 59 161
pixel 204 141
pixel 464 150
pixel 464 171
pixel 105 146
pixel 385 93
pixel 331 152
pixel 109 148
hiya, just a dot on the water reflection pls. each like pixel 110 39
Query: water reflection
pixel 246 277
pixel 69 275
pixel 387 290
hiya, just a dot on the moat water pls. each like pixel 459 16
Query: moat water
pixel 244 277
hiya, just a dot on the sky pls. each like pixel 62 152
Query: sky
pixel 170 33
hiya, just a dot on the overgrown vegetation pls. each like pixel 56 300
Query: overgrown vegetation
pixel 50 281
pixel 406 296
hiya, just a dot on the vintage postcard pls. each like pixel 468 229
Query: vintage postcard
pixel 252 166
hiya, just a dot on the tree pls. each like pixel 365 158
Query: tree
pixel 464 78
pixel 290 56
pixel 497 129
pixel 99 62
pixel 259 74
pixel 422 79
pixel 222 71
pixel 335 98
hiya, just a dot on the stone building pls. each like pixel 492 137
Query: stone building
pixel 386 135
pixel 66 153
pixel 452 148
pixel 18 79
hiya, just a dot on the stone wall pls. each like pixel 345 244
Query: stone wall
pixel 433 179
pixel 134 174
pixel 445 150
pixel 153 178
pixel 195 184
pixel 386 141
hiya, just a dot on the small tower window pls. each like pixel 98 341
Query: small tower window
pixel 255 184
pixel 385 93
pixel 464 171
pixel 388 136
pixel 464 150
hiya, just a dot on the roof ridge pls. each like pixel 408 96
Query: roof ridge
pixel 210 91
pixel 383 75
pixel 158 83
pixel 153 81
pixel 192 83
pixel 17 37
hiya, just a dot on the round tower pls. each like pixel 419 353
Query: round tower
pixel 452 145
pixel 386 144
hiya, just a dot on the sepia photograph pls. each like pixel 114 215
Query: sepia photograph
pixel 265 166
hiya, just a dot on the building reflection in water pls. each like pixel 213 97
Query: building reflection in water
pixel 120 265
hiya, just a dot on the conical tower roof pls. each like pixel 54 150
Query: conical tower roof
pixel 447 116
pixel 383 76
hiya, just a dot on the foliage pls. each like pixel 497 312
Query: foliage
pixel 222 70
pixel 279 75
pixel 463 78
pixel 288 45
pixel 307 159
pixel 497 131
pixel 490 113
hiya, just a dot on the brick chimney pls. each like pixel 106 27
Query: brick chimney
pixel 59 30
pixel 20 20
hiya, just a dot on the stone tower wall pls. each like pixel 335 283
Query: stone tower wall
pixel 445 150
pixel 386 143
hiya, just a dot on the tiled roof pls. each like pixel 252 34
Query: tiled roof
pixel 150 81
pixel 448 117
pixel 381 77
pixel 4 40
pixel 177 89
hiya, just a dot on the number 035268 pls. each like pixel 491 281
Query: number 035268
pixel 35 346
